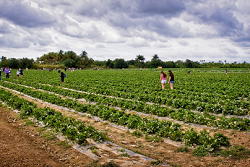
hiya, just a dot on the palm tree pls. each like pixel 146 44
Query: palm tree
pixel 84 54
pixel 140 59
pixel 59 56
pixel 155 57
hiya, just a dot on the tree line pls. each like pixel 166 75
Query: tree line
pixel 71 59
pixel 156 62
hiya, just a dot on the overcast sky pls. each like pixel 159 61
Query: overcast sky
pixel 209 30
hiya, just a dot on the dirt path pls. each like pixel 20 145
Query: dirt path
pixel 22 146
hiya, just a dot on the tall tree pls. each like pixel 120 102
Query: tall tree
pixel 59 56
pixel 110 63
pixel 140 59
pixel 83 54
pixel 121 63
pixel 155 57
pixel 155 61
pixel 3 58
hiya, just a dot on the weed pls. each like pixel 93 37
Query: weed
pixel 182 149
pixel 93 164
pixel 122 135
pixel 111 164
pixel 158 162
pixel 128 132
pixel 122 150
pixel 40 130
pixel 65 144
pixel 28 122
pixel 236 152
pixel 49 135
pixel 200 151
pixel 138 152
pixel 218 160
pixel 95 151
pixel 124 155
pixel 153 139
pixel 233 132
pixel 137 133
pixel 105 123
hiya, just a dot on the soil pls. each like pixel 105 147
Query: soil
pixel 23 146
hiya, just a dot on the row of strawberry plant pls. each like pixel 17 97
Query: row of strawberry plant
pixel 177 99
pixel 144 81
pixel 181 115
pixel 133 121
pixel 72 129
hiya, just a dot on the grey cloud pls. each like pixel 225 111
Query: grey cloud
pixel 183 43
pixel 151 24
pixel 138 15
pixel 10 41
pixel 220 17
pixel 244 44
pixel 161 7
pixel 41 38
pixel 5 28
pixel 100 46
pixel 74 30
pixel 21 13
pixel 139 8
pixel 229 51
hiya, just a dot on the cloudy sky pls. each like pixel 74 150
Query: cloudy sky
pixel 107 29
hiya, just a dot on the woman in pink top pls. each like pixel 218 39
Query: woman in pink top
pixel 163 79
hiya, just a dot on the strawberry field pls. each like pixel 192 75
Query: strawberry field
pixel 202 113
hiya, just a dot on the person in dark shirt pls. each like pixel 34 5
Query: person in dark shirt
pixel 62 77
pixel 171 79
pixel 21 72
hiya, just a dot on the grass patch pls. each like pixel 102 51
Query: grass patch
pixel 41 130
pixel 94 150
pixel 175 165
pixel 236 152
pixel 182 149
pixel 200 151
pixel 122 150
pixel 28 122
pixel 153 139
pixel 122 135
pixel 111 164
pixel 138 152
pixel 65 144
pixel 49 135
pixel 127 131
pixel 93 164
pixel 137 133
pixel 105 123
pixel 124 155
pixel 158 162
pixel 218 160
